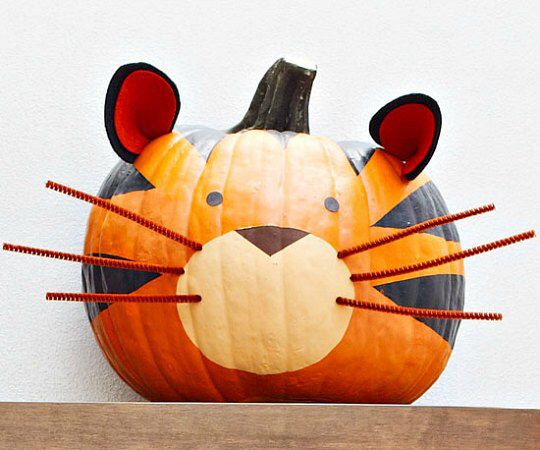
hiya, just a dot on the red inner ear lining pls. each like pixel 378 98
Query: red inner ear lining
pixel 145 109
pixel 407 132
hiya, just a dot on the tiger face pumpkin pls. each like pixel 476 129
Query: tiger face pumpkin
pixel 271 206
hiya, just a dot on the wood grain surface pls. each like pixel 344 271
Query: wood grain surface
pixel 146 425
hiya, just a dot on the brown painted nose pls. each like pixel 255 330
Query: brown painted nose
pixel 271 239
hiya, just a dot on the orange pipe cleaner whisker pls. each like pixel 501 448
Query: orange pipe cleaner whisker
pixel 443 259
pixel 94 260
pixel 426 225
pixel 418 312
pixel 121 298
pixel 109 206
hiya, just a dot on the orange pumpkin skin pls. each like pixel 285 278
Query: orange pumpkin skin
pixel 275 179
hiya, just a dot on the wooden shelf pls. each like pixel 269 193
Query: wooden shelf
pixel 157 425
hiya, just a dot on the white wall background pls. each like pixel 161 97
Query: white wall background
pixel 479 59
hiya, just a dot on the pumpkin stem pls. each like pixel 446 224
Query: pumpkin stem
pixel 281 100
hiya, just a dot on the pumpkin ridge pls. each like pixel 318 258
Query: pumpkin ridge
pixel 122 361
pixel 115 327
pixel 139 321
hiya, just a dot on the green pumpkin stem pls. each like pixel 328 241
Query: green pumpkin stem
pixel 281 100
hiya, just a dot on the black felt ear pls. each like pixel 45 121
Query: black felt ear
pixel 142 103
pixel 408 128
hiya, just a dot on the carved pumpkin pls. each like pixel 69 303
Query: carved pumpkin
pixel 271 206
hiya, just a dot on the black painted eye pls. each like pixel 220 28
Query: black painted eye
pixel 331 204
pixel 214 198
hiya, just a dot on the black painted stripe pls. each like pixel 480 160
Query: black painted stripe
pixel 433 292
pixel 108 280
pixel 203 139
pixel 124 178
pixel 423 204
pixel 358 153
